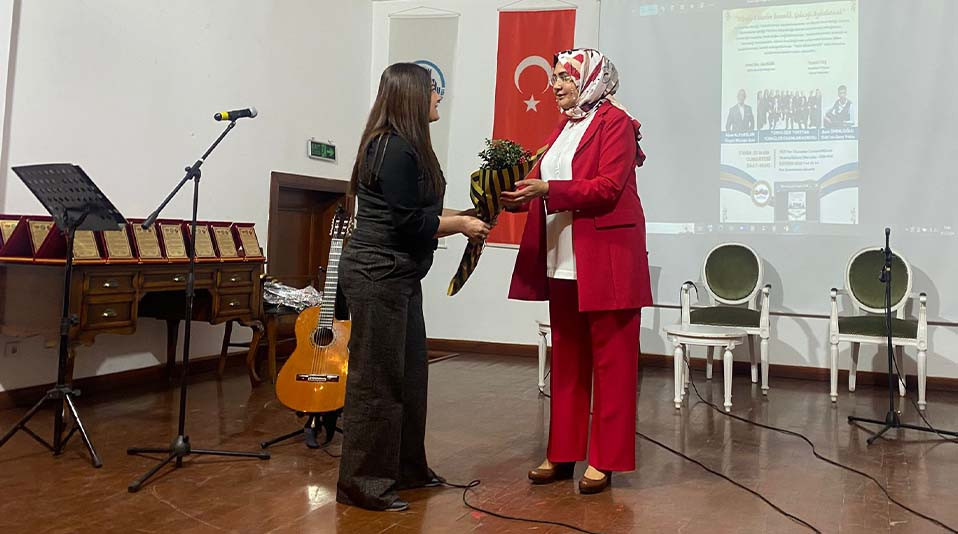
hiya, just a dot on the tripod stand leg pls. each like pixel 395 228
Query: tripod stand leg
pixel 70 434
pixel 274 441
pixel 21 424
pixel 146 450
pixel 78 424
pixel 261 455
pixel 59 425
pixel 879 434
pixel 138 483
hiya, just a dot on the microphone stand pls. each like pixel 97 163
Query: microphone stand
pixel 180 447
pixel 892 418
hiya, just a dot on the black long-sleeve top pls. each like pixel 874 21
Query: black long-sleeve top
pixel 397 208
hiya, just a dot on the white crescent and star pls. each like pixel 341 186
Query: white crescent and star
pixel 532 61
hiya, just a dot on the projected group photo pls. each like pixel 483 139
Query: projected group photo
pixel 776 109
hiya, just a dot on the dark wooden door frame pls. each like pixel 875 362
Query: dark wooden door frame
pixel 280 180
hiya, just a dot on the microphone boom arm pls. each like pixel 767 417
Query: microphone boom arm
pixel 192 172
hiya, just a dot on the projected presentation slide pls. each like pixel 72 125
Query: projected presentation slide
pixel 790 117
pixel 789 121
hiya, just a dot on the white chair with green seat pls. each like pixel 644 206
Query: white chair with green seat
pixel 732 276
pixel 867 294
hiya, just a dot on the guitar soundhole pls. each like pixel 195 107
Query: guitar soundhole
pixel 323 336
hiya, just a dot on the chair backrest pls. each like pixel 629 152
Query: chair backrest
pixel 732 273
pixel 865 288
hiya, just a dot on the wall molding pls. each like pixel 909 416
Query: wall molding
pixel 818 374
pixel 151 378
pixel 154 378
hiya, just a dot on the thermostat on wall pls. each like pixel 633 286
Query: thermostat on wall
pixel 320 150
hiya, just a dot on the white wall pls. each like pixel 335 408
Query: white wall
pixel 127 90
pixel 481 311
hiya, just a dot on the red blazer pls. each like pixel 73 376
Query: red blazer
pixel 608 224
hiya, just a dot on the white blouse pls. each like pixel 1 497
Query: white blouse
pixel 557 165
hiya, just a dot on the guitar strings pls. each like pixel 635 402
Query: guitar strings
pixel 316 349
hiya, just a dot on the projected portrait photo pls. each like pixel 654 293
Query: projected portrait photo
pixel 842 112
pixel 740 117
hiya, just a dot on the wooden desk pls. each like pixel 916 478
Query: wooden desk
pixel 110 298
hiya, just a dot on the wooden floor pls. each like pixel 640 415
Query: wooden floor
pixel 487 421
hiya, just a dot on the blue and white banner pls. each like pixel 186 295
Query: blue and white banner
pixel 429 40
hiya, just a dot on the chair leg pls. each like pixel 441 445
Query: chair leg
pixel 727 360
pixel 833 363
pixel 271 327
pixel 751 357
pixel 900 358
pixel 542 361
pixel 922 376
pixel 853 370
pixel 709 357
pixel 679 364
pixel 686 370
pixel 227 335
pixel 258 328
pixel 763 348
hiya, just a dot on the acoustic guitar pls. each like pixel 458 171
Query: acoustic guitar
pixel 313 379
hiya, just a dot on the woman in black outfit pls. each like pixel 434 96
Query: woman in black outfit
pixel 400 188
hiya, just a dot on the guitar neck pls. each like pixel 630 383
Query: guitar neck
pixel 328 309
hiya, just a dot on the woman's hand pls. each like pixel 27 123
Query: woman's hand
pixel 473 228
pixel 526 190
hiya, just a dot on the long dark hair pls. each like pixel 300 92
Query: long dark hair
pixel 401 107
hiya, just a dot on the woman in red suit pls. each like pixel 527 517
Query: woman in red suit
pixel 583 250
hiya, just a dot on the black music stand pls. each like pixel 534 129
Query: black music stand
pixel 75 203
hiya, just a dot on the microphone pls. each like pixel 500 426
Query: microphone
pixel 236 114
pixel 883 277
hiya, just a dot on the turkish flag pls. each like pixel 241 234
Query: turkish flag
pixel 526 110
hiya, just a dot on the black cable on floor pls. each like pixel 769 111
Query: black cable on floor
pixel 815 452
pixel 774 506
pixel 475 483
pixel 723 476
pixel 465 490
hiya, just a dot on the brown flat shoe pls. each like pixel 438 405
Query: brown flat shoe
pixel 560 471
pixel 587 486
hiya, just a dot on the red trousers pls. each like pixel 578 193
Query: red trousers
pixel 594 354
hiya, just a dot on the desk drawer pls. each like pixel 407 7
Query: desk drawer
pixel 175 279
pixel 110 283
pixel 228 278
pixel 230 304
pixel 107 313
